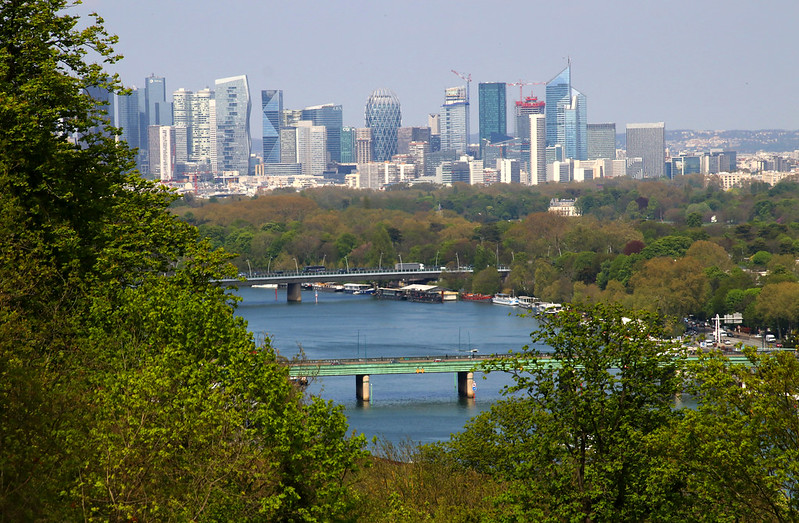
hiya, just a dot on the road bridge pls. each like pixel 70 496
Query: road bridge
pixel 464 366
pixel 294 279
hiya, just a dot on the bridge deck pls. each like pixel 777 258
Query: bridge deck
pixel 409 365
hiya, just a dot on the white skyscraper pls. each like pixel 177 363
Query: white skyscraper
pixel 203 128
pixel 538 149
pixel 233 140
pixel 311 147
pixel 454 118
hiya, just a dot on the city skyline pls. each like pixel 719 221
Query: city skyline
pixel 626 57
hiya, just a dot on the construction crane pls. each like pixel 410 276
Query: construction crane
pixel 521 84
pixel 466 77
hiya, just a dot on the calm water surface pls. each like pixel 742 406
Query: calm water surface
pixel 419 407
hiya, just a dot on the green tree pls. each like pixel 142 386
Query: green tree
pixel 736 453
pixel 487 281
pixel 129 388
pixel 574 439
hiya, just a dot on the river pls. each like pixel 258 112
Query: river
pixel 420 408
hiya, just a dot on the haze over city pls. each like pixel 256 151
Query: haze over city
pixel 700 65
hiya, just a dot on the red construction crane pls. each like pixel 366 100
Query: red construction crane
pixel 521 84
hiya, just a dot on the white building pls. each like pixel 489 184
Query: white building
pixel 538 149
pixel 311 147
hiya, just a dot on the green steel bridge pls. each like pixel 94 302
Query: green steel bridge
pixel 463 366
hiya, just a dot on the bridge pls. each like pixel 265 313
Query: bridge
pixel 294 279
pixel 464 366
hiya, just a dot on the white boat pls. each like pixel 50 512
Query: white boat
pixel 358 288
pixel 505 299
pixel 265 286
pixel 527 302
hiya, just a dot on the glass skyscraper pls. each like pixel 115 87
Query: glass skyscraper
pixel 566 117
pixel 493 112
pixel 348 145
pixel 233 140
pixel 330 117
pixel 383 116
pixel 272 107
pixel 454 120
pixel 129 117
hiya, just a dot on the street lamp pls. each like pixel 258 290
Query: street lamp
pixel 323 259
pixel 296 267
pixel 380 265
pixel 400 257
pixel 347 262
pixel 436 264
pixel 250 266
pixel 458 260
pixel 269 264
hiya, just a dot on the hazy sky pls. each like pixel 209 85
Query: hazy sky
pixel 698 64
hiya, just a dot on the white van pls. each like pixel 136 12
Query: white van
pixel 770 338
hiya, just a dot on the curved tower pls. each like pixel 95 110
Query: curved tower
pixel 383 116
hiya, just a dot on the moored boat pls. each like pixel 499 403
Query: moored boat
pixel 476 297
pixel 505 299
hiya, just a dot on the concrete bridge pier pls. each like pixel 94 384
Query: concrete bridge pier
pixel 466 384
pixel 362 390
pixel 294 292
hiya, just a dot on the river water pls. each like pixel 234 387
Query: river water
pixel 421 408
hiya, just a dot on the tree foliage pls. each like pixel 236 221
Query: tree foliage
pixel 574 437
pixel 129 388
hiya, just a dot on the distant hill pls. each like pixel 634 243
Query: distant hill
pixel 767 140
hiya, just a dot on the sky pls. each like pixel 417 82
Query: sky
pixel 693 64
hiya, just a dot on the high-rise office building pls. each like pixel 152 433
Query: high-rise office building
pixel 272 109
pixel 128 105
pixel 524 108
pixel 162 151
pixel 454 120
pixel 493 112
pixel 181 120
pixel 348 145
pixel 203 128
pixel 538 149
pixel 364 145
pixel 647 141
pixel 601 141
pixel 233 124
pixel 566 116
pixel 329 116
pixel 311 147
pixel 158 111
pixel 288 145
pixel 384 117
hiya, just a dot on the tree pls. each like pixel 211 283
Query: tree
pixel 487 281
pixel 673 288
pixel 573 440
pixel 130 389
pixel 736 453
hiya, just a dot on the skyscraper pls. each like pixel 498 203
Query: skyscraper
pixel 566 116
pixel 272 108
pixel 329 116
pixel 311 147
pixel 648 142
pixel 601 141
pixel 129 117
pixel 407 135
pixel 454 120
pixel 233 124
pixel 157 110
pixel 538 149
pixel 181 120
pixel 493 112
pixel 384 117
pixel 524 108
pixel 203 128
pixel 347 144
